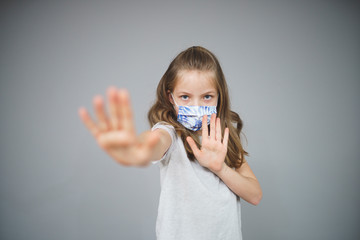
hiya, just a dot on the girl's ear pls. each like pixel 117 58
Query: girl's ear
pixel 170 97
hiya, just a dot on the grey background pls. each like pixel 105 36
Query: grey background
pixel 293 72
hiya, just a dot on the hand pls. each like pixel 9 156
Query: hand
pixel 115 132
pixel 213 149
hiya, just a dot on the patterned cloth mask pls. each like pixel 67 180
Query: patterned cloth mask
pixel 191 116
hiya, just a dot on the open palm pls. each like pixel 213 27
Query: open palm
pixel 115 131
pixel 213 148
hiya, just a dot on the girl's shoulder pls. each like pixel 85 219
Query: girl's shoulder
pixel 163 125
pixel 167 127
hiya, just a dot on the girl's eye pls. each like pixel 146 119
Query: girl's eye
pixel 207 97
pixel 184 97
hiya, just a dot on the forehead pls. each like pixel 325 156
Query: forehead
pixel 195 80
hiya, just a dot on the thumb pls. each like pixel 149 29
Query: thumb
pixel 193 146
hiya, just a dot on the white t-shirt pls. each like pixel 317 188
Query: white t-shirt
pixel 194 203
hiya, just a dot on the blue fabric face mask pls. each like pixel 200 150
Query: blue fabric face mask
pixel 191 116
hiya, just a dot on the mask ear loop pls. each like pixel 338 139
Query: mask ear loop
pixel 175 103
pixel 174 100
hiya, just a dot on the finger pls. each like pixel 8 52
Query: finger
pixel 205 133
pixel 88 122
pixel 102 120
pixel 212 126
pixel 193 146
pixel 226 138
pixel 113 107
pixel 126 114
pixel 218 130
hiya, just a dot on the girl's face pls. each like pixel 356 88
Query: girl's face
pixel 194 88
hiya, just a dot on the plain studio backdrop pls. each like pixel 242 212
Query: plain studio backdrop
pixel 293 72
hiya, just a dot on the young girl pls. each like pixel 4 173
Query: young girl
pixel 195 139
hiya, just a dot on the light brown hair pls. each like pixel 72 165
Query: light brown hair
pixel 201 59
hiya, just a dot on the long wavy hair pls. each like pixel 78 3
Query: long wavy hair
pixel 201 59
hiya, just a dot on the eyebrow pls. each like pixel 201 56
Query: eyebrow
pixel 205 93
pixel 210 92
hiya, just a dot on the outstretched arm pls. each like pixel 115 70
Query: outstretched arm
pixel 115 131
pixel 241 181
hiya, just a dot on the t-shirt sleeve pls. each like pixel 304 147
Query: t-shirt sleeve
pixel 170 129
